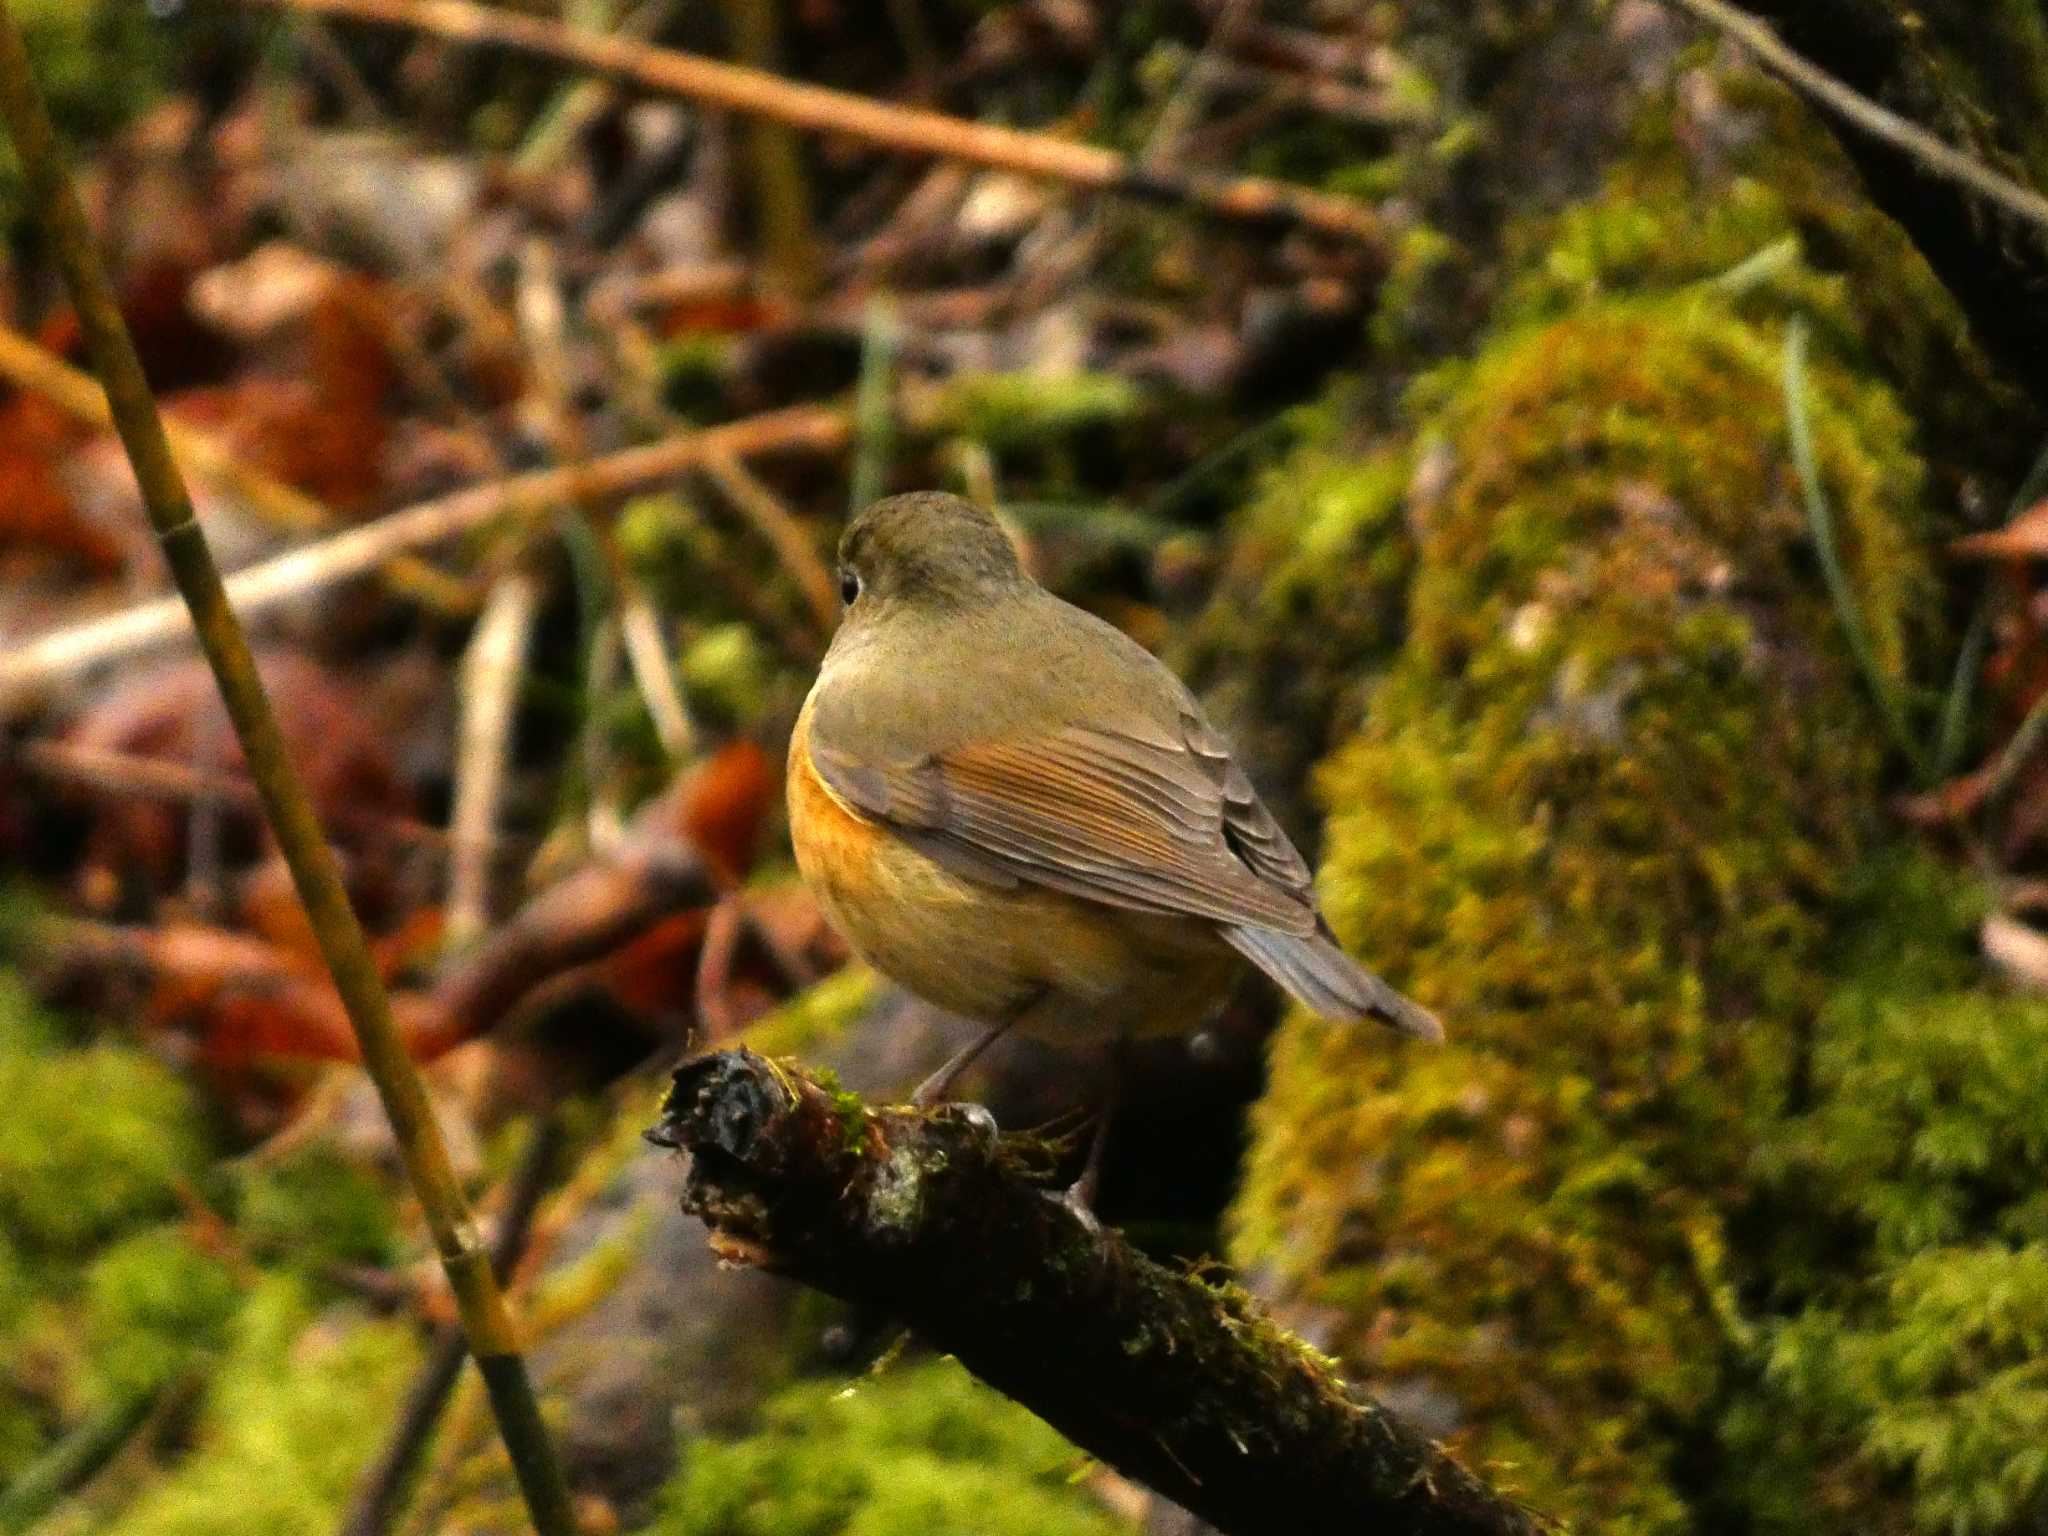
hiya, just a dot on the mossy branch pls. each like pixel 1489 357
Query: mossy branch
pixel 286 806
pixel 1175 1380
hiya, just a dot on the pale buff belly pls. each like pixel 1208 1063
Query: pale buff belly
pixel 1083 973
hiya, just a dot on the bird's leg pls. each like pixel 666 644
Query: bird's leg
pixel 1080 1195
pixel 933 1090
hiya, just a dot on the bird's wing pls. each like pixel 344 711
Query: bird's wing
pixel 1164 822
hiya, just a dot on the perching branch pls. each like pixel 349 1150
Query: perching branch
pixel 486 1320
pixel 908 130
pixel 1170 1378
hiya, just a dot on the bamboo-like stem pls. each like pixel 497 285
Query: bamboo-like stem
pixel 907 130
pixel 257 588
pixel 485 1318
pixel 378 1499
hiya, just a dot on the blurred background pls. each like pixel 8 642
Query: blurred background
pixel 1604 516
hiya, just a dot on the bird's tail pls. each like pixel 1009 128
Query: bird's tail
pixel 1322 977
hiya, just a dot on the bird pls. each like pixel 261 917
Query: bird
pixel 1019 814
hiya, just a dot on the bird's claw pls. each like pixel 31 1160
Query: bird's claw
pixel 1078 1198
pixel 979 1120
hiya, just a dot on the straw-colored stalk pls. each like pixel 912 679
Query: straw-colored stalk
pixel 485 1319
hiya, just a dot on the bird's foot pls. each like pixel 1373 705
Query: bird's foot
pixel 1079 1200
pixel 978 1119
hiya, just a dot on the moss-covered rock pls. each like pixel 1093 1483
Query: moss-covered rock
pixel 1597 819
pixel 1309 604
pixel 1771 216
pixel 917 1451
pixel 1908 1254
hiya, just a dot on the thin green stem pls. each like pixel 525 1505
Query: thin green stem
pixel 1821 523
pixel 782 195
pixel 1954 733
pixel 1962 689
pixel 875 404
pixel 2012 763
pixel 289 811
pixel 73 1460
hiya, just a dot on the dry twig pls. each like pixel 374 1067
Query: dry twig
pixel 785 534
pixel 1908 138
pixel 908 130
pixel 491 670
pixel 257 588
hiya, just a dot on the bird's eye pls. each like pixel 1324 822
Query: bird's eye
pixel 849 586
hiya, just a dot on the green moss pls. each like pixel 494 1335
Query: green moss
pixel 22 1428
pixel 93 1139
pixel 1027 411
pixel 816 1016
pixel 1670 217
pixel 1310 602
pixel 1596 819
pixel 1909 1252
pixel 94 1142
pixel 25 1028
pixel 298 1405
pixel 102 1303
pixel 1938 1378
pixel 153 1302
pixel 727 674
pixel 316 1210
pixel 921 1451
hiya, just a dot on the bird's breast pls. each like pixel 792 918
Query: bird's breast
pixel 980 951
